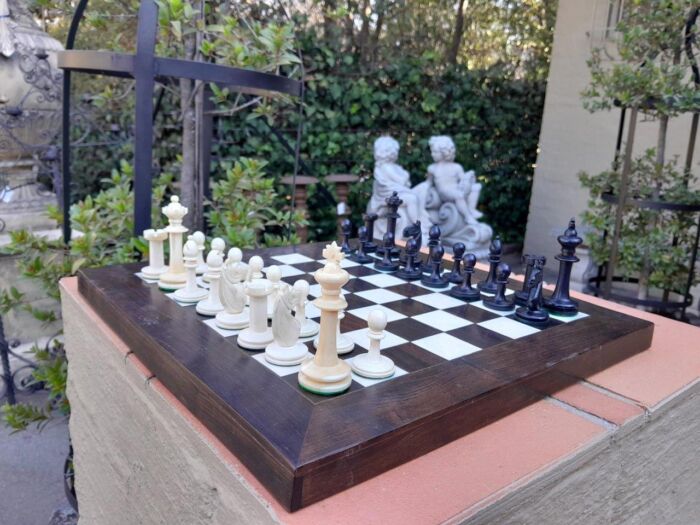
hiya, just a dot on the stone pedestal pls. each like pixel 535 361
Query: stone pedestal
pixel 301 193
pixel 342 183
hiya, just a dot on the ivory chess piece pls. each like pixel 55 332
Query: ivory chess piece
pixel 257 335
pixel 191 293
pixel 156 261
pixel 217 245
pixel 325 373
pixel 176 276
pixel 211 305
pixel 344 344
pixel 309 327
pixel 255 266
pixel 274 275
pixel 200 239
pixel 372 364
pixel 285 349
pixel 235 315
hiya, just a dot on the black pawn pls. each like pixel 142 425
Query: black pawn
pixel 386 264
pixel 370 246
pixel 435 280
pixel 532 312
pixel 455 276
pixel 433 239
pixel 414 231
pixel 411 271
pixel 360 256
pixel 495 250
pixel 522 295
pixel 499 301
pixel 560 302
pixel 393 202
pixel 465 291
pixel 346 229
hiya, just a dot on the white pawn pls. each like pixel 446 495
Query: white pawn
pixel 309 327
pixel 191 293
pixel 218 245
pixel 343 344
pixel 255 266
pixel 274 275
pixel 258 335
pixel 372 364
pixel 235 315
pixel 200 239
pixel 285 350
pixel 212 304
pixel 156 262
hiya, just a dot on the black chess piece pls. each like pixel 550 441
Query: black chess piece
pixel 532 312
pixel 410 271
pixel 435 280
pixel 455 276
pixel 414 231
pixel 433 239
pixel 466 291
pixel 346 229
pixel 360 255
pixel 387 264
pixel 499 301
pixel 393 202
pixel 370 246
pixel 495 250
pixel 560 302
pixel 522 295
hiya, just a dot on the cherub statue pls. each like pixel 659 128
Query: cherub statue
pixel 389 177
pixel 451 182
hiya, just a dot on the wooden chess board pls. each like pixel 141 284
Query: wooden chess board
pixel 459 366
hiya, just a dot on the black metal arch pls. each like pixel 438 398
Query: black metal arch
pixel 145 68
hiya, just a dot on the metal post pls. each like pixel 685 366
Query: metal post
pixel 6 372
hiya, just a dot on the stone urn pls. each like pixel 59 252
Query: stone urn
pixel 30 112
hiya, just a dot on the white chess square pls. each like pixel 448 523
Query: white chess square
pixel 315 290
pixel 446 346
pixel 345 263
pixel 480 304
pixel 279 370
pixel 292 258
pixel 366 381
pixel 509 327
pixel 568 318
pixel 442 320
pixel 171 295
pixel 382 280
pixel 211 323
pixel 432 288
pixel 363 313
pixel 380 295
pixel 508 292
pixel 439 300
pixel 312 311
pixel 360 337
pixel 286 270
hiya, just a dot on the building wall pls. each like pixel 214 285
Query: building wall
pixel 572 139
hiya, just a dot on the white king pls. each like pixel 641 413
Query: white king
pixel 176 276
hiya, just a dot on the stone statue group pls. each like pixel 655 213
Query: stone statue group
pixel 448 197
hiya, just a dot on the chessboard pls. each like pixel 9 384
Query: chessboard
pixel 459 366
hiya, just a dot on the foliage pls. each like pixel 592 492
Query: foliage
pixel 638 241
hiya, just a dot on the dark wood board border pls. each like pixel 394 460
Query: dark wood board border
pixel 304 451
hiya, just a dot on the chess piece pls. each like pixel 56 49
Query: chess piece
pixel 211 305
pixel 411 271
pixel 489 285
pixel 435 280
pixel 521 296
pixel 343 344
pixel 360 255
pixel 235 315
pixel 200 239
pixel 309 327
pixel 372 364
pixel 532 312
pixel 274 275
pixel 387 264
pixel 255 266
pixel 176 276
pixel 433 239
pixel 560 303
pixel 257 335
pixel 191 293
pixel 234 259
pixel 414 231
pixel 326 373
pixel 346 229
pixel 466 291
pixel 499 301
pixel 370 246
pixel 393 202
pixel 156 262
pixel 455 275
pixel 285 349
pixel 217 245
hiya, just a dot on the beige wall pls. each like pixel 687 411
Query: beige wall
pixel 571 139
